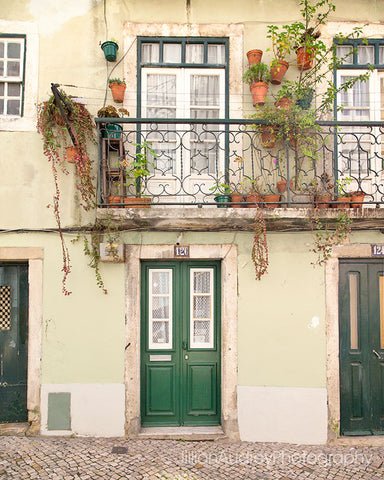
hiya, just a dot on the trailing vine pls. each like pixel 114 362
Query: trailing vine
pixel 325 238
pixel 259 252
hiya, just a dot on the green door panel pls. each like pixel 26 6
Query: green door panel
pixel 361 370
pixel 13 342
pixel 180 343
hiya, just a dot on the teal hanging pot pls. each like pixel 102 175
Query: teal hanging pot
pixel 110 50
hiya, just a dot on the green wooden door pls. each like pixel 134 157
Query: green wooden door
pixel 361 307
pixel 180 343
pixel 13 342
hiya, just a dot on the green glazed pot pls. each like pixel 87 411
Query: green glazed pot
pixel 110 50
pixel 221 200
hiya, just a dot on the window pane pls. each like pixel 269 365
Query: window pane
pixel 150 53
pixel 201 331
pixel 160 307
pixel 2 89
pixel 381 54
pixel 194 53
pixel 1 69
pixel 201 282
pixel 205 90
pixel 13 107
pixel 216 54
pixel 1 49
pixel 353 310
pixel 161 89
pixel 160 282
pixel 365 54
pixel 13 50
pixel 201 306
pixel 345 54
pixel 1 106
pixel 160 332
pixel 13 69
pixel 172 53
pixel 381 286
pixel 14 89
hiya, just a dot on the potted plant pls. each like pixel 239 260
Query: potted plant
pixel 323 188
pixel 137 169
pixel 306 51
pixel 257 76
pixel 343 196
pixel 282 44
pixel 110 48
pixel 284 97
pixel 117 87
pixel 112 130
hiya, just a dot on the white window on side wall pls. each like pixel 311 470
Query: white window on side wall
pixel 12 56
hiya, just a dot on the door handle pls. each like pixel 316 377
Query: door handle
pixel 377 355
pixel 184 345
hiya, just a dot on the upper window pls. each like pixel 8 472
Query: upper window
pixel 12 52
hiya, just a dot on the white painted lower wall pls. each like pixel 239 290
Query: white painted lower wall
pixel 96 409
pixel 283 414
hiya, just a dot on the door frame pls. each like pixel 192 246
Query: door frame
pixel 34 257
pixel 227 254
pixel 352 252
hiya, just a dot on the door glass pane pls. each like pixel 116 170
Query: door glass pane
pixel 172 53
pixel 5 307
pixel 201 313
pixel 381 287
pixel 353 310
pixel 194 53
pixel 205 90
pixel 160 309
pixel 161 90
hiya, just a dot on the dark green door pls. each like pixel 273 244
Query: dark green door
pixel 13 342
pixel 361 307
pixel 180 347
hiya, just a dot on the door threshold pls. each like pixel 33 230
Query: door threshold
pixel 16 429
pixel 182 433
pixel 359 441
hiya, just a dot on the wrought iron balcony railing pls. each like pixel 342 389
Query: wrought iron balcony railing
pixel 238 163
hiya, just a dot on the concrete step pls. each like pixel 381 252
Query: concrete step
pixel 182 433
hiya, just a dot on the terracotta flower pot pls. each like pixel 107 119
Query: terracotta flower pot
pixel 114 199
pixel 323 201
pixel 343 202
pixel 236 198
pixel 132 202
pixel 281 185
pixel 253 200
pixel 270 199
pixel 259 91
pixel 278 70
pixel 357 197
pixel 284 102
pixel 118 91
pixel 268 136
pixel 254 56
pixel 305 57
pixel 72 154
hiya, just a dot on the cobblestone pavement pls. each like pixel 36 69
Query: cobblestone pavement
pixel 115 459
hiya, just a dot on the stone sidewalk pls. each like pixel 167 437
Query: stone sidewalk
pixel 114 459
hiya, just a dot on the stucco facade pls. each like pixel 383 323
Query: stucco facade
pixel 279 370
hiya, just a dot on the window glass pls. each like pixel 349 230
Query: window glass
pixel 13 107
pixel 1 89
pixel 216 54
pixel 194 53
pixel 150 53
pixel 1 69
pixel 172 53
pixel 14 89
pixel 381 286
pixel 14 50
pixel 365 54
pixel 1 49
pixel 353 310
pixel 13 69
pixel 1 106
pixel 344 54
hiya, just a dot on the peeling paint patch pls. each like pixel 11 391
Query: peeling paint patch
pixel 50 16
pixel 315 322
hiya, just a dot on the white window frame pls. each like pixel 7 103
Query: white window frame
pixel 192 343
pixel 26 122
pixel 151 344
pixel 9 80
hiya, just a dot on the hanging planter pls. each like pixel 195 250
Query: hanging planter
pixel 110 50
pixel 72 153
pixel 117 87
pixel 305 98
pixel 284 102
pixel 268 136
pixel 254 56
pixel 278 70
pixel 259 92
pixel 305 58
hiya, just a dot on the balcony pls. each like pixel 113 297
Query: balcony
pixel 235 165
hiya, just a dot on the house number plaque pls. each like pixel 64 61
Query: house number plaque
pixel 377 250
pixel 181 251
